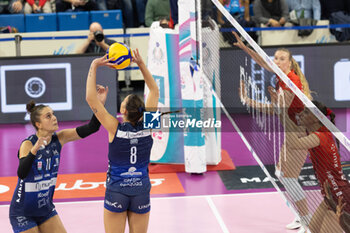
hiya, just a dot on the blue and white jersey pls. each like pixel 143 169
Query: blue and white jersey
pixel 129 155
pixel 33 195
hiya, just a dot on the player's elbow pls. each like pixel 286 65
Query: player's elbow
pixel 89 98
pixel 21 174
pixel 90 101
pixel 155 93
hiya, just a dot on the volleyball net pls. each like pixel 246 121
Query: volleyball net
pixel 271 115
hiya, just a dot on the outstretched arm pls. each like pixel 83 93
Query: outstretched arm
pixel 68 135
pixel 107 120
pixel 260 106
pixel 256 57
pixel 152 100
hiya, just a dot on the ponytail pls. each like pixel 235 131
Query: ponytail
pixel 304 83
pixel 295 66
pixel 327 112
pixel 35 112
pixel 164 113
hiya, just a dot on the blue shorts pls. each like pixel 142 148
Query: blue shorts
pixel 118 202
pixel 23 223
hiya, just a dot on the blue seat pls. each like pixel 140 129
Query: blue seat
pixel 111 19
pixel 41 22
pixel 68 21
pixel 13 20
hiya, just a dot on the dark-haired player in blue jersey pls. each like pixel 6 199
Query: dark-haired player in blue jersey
pixel 32 209
pixel 128 185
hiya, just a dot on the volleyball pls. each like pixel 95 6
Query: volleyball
pixel 121 55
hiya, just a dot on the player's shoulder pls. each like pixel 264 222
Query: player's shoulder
pixel 293 76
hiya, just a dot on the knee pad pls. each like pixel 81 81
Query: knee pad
pixel 292 187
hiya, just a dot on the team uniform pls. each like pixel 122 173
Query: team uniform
pixel 325 159
pixel 31 204
pixel 128 184
pixel 297 105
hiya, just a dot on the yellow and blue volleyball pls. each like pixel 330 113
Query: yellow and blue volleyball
pixel 121 55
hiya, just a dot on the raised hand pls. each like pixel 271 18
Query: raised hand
pixel 243 92
pixel 91 36
pixel 239 42
pixel 137 57
pixel 102 93
pixel 329 198
pixel 17 6
pixel 103 61
pixel 273 94
pixel 340 208
pixel 40 143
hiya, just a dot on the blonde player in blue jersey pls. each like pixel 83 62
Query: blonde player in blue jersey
pixel 128 185
pixel 32 209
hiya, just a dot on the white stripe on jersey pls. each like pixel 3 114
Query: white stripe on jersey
pixel 129 135
pixel 41 185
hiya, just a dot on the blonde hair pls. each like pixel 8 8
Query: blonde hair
pixel 295 66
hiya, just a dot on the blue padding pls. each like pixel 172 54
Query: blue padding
pixel 111 19
pixel 41 22
pixel 68 21
pixel 13 20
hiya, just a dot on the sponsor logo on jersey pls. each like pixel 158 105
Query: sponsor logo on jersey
pixel 19 192
pixel 40 165
pixel 22 221
pixel 45 194
pixel 131 172
pixel 140 207
pixel 134 141
pixel 114 204
pixel 38 177
pixel 41 185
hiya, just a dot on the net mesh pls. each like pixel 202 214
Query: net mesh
pixel 292 140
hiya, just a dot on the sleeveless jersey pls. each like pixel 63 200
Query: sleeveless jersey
pixel 33 195
pixel 326 163
pixel 129 156
pixel 296 106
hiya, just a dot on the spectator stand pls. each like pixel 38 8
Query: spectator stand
pixel 13 20
pixel 285 36
pixel 137 38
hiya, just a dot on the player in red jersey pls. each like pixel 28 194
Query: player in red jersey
pixel 290 161
pixel 325 159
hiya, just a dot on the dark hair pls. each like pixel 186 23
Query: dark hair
pixel 35 112
pixel 327 112
pixel 135 108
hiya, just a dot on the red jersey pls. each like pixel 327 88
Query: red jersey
pixel 41 2
pixel 325 160
pixel 296 106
